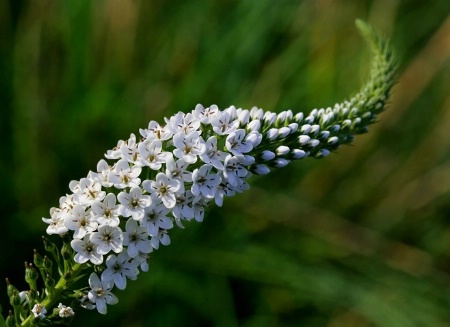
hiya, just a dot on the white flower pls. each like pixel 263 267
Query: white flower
pixel 178 170
pixel 129 150
pixel 118 269
pixel 103 170
pixel 141 260
pixel 163 188
pixel 108 238
pixel 122 175
pixel 151 154
pixel 65 312
pixel 189 146
pixel 212 155
pixel 183 209
pixel 86 251
pixel 155 218
pixel 136 239
pixel 39 311
pixel 235 143
pixel 56 222
pixel 100 293
pixel 223 189
pixel 80 222
pixel 234 172
pixel 106 212
pixel 155 131
pixel 115 153
pixel 162 237
pixel 184 123
pixel 133 203
pixel 206 114
pixel 89 192
pixel 204 182
pixel 224 123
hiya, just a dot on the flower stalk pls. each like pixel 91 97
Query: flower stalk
pixel 117 215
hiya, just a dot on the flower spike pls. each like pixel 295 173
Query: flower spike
pixel 118 215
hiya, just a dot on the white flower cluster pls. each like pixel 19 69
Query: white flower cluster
pixel 125 209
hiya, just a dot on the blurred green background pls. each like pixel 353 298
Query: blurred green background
pixel 361 238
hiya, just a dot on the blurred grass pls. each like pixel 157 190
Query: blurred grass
pixel 361 238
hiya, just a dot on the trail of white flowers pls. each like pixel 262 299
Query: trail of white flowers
pixel 169 174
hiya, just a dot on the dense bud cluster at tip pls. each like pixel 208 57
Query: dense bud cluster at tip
pixel 169 174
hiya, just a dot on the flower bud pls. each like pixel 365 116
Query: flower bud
pixel 10 289
pixel 293 127
pixel 333 140
pixel 280 162
pixel 269 118
pixel 256 113
pixel 303 139
pixel 14 299
pixel 282 150
pixel 267 155
pixel 313 143
pixel 48 264
pixel 315 129
pixel 254 125
pixel 49 246
pixel 244 117
pixel 10 320
pixel 272 134
pixel 37 259
pixel 298 117
pixel 248 160
pixel 284 131
pixel 262 169
pixel 298 154
pixel 66 251
pixel 31 275
pixel 324 134
pixel 49 282
pixel 305 129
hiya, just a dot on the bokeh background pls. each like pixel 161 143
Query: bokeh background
pixel 361 238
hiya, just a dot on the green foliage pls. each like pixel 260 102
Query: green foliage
pixel 359 239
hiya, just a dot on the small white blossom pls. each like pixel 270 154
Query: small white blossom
pixel 224 123
pixel 86 251
pixel 155 218
pixel 100 293
pixel 64 311
pixel 235 143
pixel 204 182
pixel 155 131
pixel 163 188
pixel 39 311
pixel 135 238
pixel 118 269
pixel 151 154
pixel 162 237
pixel 178 170
pixel 189 146
pixel 80 221
pixel 108 238
pixel 56 222
pixel 133 203
pixel 122 175
pixel 212 154
pixel 105 213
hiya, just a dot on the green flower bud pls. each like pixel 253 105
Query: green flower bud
pixel 10 288
pixel 48 264
pixel 10 320
pixel 14 299
pixel 37 259
pixel 49 246
pixel 49 282
pixel 31 275
pixel 66 251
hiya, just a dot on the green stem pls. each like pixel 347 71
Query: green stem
pixel 52 298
